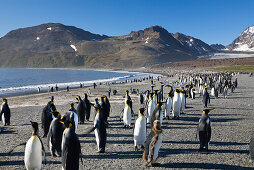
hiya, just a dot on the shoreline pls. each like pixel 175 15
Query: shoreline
pixel 45 88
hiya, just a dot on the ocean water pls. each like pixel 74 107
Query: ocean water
pixel 24 81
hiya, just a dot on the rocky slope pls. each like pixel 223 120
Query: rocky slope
pixel 57 45
pixel 245 42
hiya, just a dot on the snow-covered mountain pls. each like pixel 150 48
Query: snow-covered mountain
pixel 195 45
pixel 245 42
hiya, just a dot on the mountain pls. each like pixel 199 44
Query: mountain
pixel 197 46
pixel 245 42
pixel 58 45
pixel 218 47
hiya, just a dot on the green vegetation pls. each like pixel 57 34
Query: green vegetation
pixel 238 68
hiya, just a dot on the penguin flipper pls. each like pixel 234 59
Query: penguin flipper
pixel 90 130
pixel 10 152
pixel 43 150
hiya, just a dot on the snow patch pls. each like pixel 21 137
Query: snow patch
pixel 73 46
pixel 49 28
pixel 249 30
pixel 243 47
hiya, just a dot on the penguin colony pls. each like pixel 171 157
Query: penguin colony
pixel 155 108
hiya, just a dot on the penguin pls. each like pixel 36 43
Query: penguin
pixel 153 144
pixel 127 115
pixel 88 107
pixel 168 107
pixel 213 91
pixel 54 138
pixel 96 105
pixel 204 130
pixel 103 109
pixel 127 97
pixel 71 150
pixel 176 105
pixel 81 110
pixel 157 114
pixel 99 129
pixel 183 101
pixel 140 130
pixel 33 150
pixel 151 107
pixel 5 113
pixel 108 106
pixel 141 98
pixel 73 115
pixel 192 93
pixel 206 98
pixel 47 117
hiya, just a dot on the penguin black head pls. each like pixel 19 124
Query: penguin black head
pixel 71 105
pixel 35 127
pixel 128 102
pixel 66 121
pixel 85 95
pixel 159 104
pixel 177 91
pixel 77 98
pixel 141 111
pixel 206 111
pixel 127 91
pixel 52 98
pixel 5 100
pixel 56 114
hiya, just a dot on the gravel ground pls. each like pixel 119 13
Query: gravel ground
pixel 232 121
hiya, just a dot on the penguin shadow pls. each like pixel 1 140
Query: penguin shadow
pixel 7 130
pixel 201 166
pixel 119 135
pixel 11 163
pixel 182 142
pixel 223 108
pixel 225 119
pixel 239 97
pixel 120 141
pixel 85 135
pixel 114 155
pixel 227 143
pixel 189 119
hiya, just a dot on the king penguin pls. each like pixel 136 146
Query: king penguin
pixel 153 144
pixel 157 114
pixel 127 115
pixel 140 130
pixel 71 150
pixel 176 105
pixel 5 113
pixel 73 116
pixel 33 150
pixel 168 107
pixel 183 101
pixel 54 138
pixel 46 117
pixel 204 130
pixel 81 110
pixel 88 107
pixel 99 129
pixel 151 107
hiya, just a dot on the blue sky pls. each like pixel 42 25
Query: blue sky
pixel 212 21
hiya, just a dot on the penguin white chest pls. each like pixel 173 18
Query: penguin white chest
pixel 33 153
pixel 140 131
pixel 127 116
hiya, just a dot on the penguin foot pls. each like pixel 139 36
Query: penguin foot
pixel 101 151
pixel 135 148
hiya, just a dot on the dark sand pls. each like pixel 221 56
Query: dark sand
pixel 232 123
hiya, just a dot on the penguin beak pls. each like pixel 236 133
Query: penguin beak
pixel 61 122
